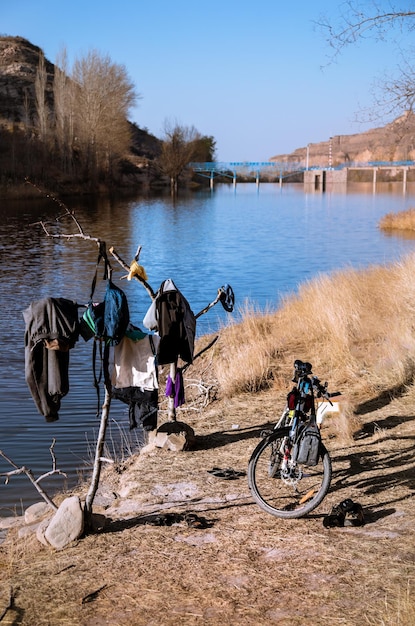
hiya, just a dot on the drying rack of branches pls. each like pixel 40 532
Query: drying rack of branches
pixel 80 234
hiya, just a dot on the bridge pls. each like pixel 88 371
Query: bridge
pixel 315 174
pixel 254 169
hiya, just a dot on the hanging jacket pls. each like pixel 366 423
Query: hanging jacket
pixel 171 316
pixel 51 331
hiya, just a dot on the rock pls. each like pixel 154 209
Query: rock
pixel 36 512
pixel 40 531
pixel 176 443
pixel 26 531
pixel 66 525
pixel 174 436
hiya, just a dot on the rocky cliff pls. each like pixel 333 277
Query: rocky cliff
pixel 19 62
pixel 393 142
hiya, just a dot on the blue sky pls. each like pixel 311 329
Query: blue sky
pixel 254 75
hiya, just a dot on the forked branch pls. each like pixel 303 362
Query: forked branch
pixel 28 472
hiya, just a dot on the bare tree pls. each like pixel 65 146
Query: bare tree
pixel 103 96
pixel 177 150
pixel 40 99
pixel 375 19
pixel 63 93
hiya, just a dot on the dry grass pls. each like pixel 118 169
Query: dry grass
pixel 402 220
pixel 247 567
pixel 356 327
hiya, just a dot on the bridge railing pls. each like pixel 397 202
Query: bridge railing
pixel 282 166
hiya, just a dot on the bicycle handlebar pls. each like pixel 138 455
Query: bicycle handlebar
pixel 303 369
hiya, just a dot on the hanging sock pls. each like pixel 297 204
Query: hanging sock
pixel 176 390
pixel 179 389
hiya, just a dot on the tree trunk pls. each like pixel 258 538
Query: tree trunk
pixel 98 455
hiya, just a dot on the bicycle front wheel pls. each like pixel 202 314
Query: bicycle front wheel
pixel 287 493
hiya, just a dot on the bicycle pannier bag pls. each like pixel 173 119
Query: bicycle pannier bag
pixel 307 447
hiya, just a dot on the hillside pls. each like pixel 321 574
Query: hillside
pixel 19 60
pixel 393 142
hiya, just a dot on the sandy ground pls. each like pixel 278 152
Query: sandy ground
pixel 241 566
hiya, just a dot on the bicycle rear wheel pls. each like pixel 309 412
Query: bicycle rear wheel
pixel 287 494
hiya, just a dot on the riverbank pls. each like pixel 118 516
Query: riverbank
pixel 177 543
pixel 240 565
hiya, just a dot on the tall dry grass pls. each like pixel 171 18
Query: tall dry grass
pixel 357 328
pixel 398 608
pixel 403 220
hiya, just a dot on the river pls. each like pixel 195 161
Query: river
pixel 263 241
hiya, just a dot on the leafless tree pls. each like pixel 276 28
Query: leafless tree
pixel 177 150
pixel 64 111
pixel 40 99
pixel 103 97
pixel 377 19
pixel 381 20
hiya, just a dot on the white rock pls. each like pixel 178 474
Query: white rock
pixel 36 512
pixel 67 524
pixel 40 531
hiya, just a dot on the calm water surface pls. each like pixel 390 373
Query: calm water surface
pixel 264 242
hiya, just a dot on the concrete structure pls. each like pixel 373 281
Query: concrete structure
pixel 324 179
pixel 320 180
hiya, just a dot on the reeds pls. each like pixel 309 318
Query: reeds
pixel 403 220
pixel 355 326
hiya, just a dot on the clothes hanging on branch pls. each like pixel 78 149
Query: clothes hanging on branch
pixel 134 376
pixel 133 360
pixel 142 406
pixel 51 331
pixel 175 389
pixel 171 316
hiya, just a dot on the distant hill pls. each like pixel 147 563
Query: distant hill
pixel 19 60
pixel 393 142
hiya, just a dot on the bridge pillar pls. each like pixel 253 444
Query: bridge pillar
pixel 405 173
pixel 375 173
pixel 234 178
pixel 211 179
pixel 257 178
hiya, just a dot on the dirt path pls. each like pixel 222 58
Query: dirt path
pixel 245 567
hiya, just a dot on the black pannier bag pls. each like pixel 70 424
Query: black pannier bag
pixel 307 447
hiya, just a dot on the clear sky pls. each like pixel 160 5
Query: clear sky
pixel 253 74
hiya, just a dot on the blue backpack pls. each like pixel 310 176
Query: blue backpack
pixel 106 320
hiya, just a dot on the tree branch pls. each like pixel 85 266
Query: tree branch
pixel 28 472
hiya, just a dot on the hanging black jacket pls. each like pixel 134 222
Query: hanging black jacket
pixel 171 316
pixel 51 330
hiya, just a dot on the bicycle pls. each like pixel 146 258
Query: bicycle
pixel 281 485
